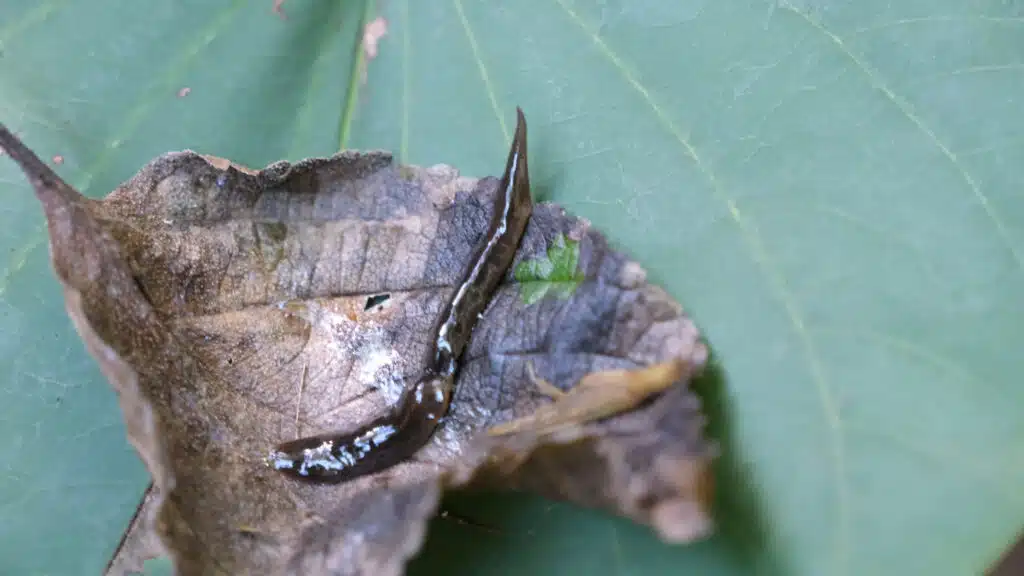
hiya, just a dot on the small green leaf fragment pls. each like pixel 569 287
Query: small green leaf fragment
pixel 533 292
pixel 556 272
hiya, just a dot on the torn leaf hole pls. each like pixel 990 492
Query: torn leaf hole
pixel 376 300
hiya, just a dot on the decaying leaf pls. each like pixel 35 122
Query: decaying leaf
pixel 233 309
pixel 139 542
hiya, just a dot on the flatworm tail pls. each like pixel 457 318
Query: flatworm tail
pixel 339 457
pixel 394 438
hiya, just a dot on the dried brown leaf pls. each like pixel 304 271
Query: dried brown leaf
pixel 139 543
pixel 232 309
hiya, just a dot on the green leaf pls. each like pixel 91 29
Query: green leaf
pixel 831 188
pixel 556 273
pixel 161 566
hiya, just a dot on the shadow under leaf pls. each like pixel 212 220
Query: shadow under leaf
pixel 741 528
pixel 514 533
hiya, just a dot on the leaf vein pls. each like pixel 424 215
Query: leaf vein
pixel 32 18
pixel 403 148
pixel 352 94
pixel 488 87
pixel 907 109
pixel 776 282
